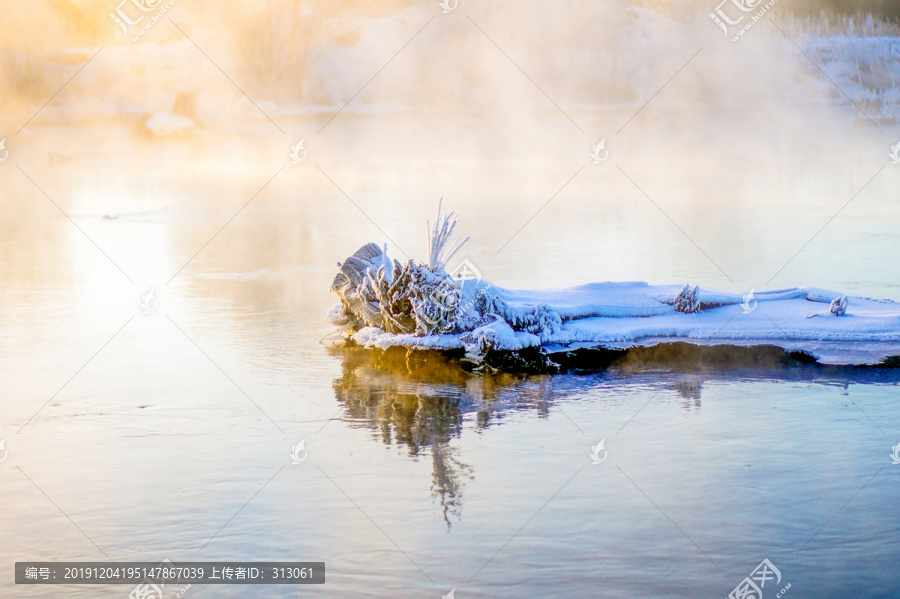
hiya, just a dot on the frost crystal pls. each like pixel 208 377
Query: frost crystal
pixel 839 306
pixel 687 300
pixel 538 320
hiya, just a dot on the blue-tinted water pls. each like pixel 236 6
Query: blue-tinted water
pixel 145 436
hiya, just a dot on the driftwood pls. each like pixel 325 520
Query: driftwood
pixel 410 298
pixel 418 299
pixel 407 298
pixel 422 299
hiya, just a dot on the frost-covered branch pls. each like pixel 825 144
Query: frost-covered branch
pixel 438 235
pixel 687 300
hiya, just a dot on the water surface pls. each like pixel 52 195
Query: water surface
pixel 145 436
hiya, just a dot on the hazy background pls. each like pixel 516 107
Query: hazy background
pixel 494 104
pixel 164 164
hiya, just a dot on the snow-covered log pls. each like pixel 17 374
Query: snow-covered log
pixel 384 303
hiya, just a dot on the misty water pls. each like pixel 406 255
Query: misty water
pixel 173 441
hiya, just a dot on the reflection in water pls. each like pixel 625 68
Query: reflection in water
pixel 419 400
pixel 689 389
pixel 375 391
